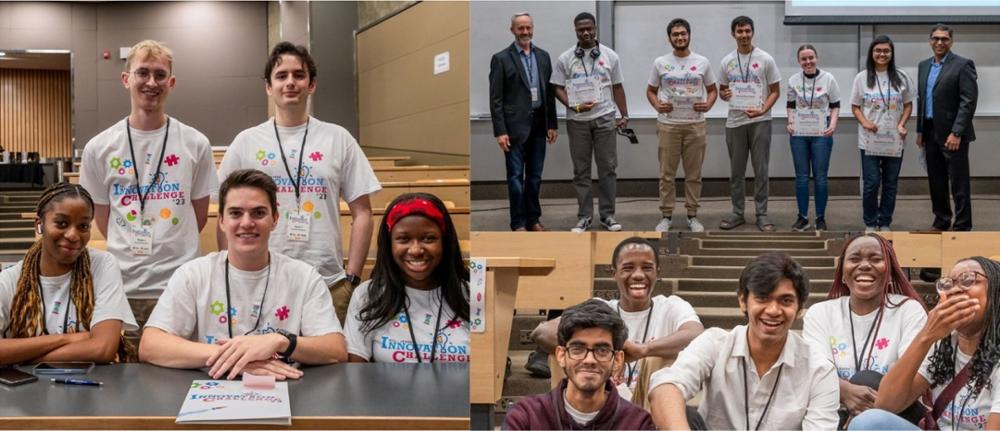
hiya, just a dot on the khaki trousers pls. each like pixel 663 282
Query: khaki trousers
pixel 680 143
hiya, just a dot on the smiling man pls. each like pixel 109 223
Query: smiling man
pixel 757 376
pixel 591 338
pixel 150 176
pixel 659 326
pixel 314 164
pixel 245 310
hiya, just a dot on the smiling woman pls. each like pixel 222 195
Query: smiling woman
pixel 415 308
pixel 64 302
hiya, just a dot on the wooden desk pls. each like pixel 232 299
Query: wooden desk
pixel 340 396
pixel 488 359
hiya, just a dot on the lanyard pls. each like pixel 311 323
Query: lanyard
pixel 854 342
pixel 645 332
pixel 884 96
pixel 746 391
pixel 260 309
pixel 135 165
pixel 45 329
pixel 739 63
pixel 955 422
pixel 528 64
pixel 812 97
pixel 413 336
pixel 298 174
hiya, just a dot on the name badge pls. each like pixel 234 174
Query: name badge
pixel 298 226
pixel 534 94
pixel 142 241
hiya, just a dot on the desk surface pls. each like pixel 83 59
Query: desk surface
pixel 334 396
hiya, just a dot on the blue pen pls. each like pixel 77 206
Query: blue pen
pixel 82 382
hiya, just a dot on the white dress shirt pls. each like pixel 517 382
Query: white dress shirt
pixel 806 397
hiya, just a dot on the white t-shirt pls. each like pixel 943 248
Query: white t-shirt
pixel 607 69
pixel 109 296
pixel 807 394
pixel 873 102
pixel 668 314
pixel 334 167
pixel 681 76
pixel 293 298
pixel 977 409
pixel 392 343
pixel 186 174
pixel 578 416
pixel 817 92
pixel 759 67
pixel 827 327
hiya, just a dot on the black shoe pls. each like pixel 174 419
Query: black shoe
pixel 538 364
pixel 820 224
pixel 800 225
pixel 507 369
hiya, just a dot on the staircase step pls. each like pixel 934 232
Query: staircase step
pixel 17 223
pixel 728 299
pixel 749 234
pixel 754 251
pixel 15 245
pixel 764 244
pixel 519 382
pixel 808 261
pixel 671 270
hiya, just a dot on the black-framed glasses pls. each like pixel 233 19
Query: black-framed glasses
pixel 965 281
pixel 936 39
pixel 601 353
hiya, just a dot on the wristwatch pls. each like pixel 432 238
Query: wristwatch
pixel 292 341
pixel 353 279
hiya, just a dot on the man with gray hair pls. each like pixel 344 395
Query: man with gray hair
pixel 523 109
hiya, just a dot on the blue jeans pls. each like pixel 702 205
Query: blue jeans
pixel 811 152
pixel 879 172
pixel 876 419
pixel 524 164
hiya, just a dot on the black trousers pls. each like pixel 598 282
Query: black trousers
pixel 948 171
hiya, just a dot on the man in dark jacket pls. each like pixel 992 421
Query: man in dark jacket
pixel 523 109
pixel 948 94
pixel 591 336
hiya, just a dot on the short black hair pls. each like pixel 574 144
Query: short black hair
pixel 678 22
pixel 583 16
pixel 941 26
pixel 762 275
pixel 741 20
pixel 252 178
pixel 634 240
pixel 592 313
pixel 283 48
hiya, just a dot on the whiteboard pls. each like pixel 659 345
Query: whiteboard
pixel 641 36
pixel 490 33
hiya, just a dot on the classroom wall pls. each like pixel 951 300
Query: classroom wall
pixel 219 50
pixel 331 29
pixel 640 24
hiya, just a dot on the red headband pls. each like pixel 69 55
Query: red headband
pixel 415 206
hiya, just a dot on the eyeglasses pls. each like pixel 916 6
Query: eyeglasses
pixel 601 353
pixel 144 75
pixel 882 51
pixel 964 280
pixel 941 39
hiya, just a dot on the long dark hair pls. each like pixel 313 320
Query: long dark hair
pixel 894 79
pixel 942 363
pixel 386 291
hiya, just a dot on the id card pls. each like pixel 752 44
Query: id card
pixel 142 241
pixel 746 96
pixel 809 122
pixel 583 90
pixel 534 94
pixel 298 226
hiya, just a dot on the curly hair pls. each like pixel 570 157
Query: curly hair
pixel 942 362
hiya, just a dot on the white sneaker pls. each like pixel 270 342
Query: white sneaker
pixel 663 225
pixel 870 229
pixel 611 224
pixel 581 225
pixel 695 225
pixel 884 229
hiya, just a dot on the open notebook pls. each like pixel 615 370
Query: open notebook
pixel 228 402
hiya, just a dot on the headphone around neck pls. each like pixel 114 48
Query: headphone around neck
pixel 579 52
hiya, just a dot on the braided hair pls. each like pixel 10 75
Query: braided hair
pixel 942 362
pixel 27 317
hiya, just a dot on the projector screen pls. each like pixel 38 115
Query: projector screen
pixel 891 11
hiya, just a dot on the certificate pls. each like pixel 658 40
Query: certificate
pixel 684 108
pixel 809 122
pixel 886 141
pixel 746 96
pixel 583 90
